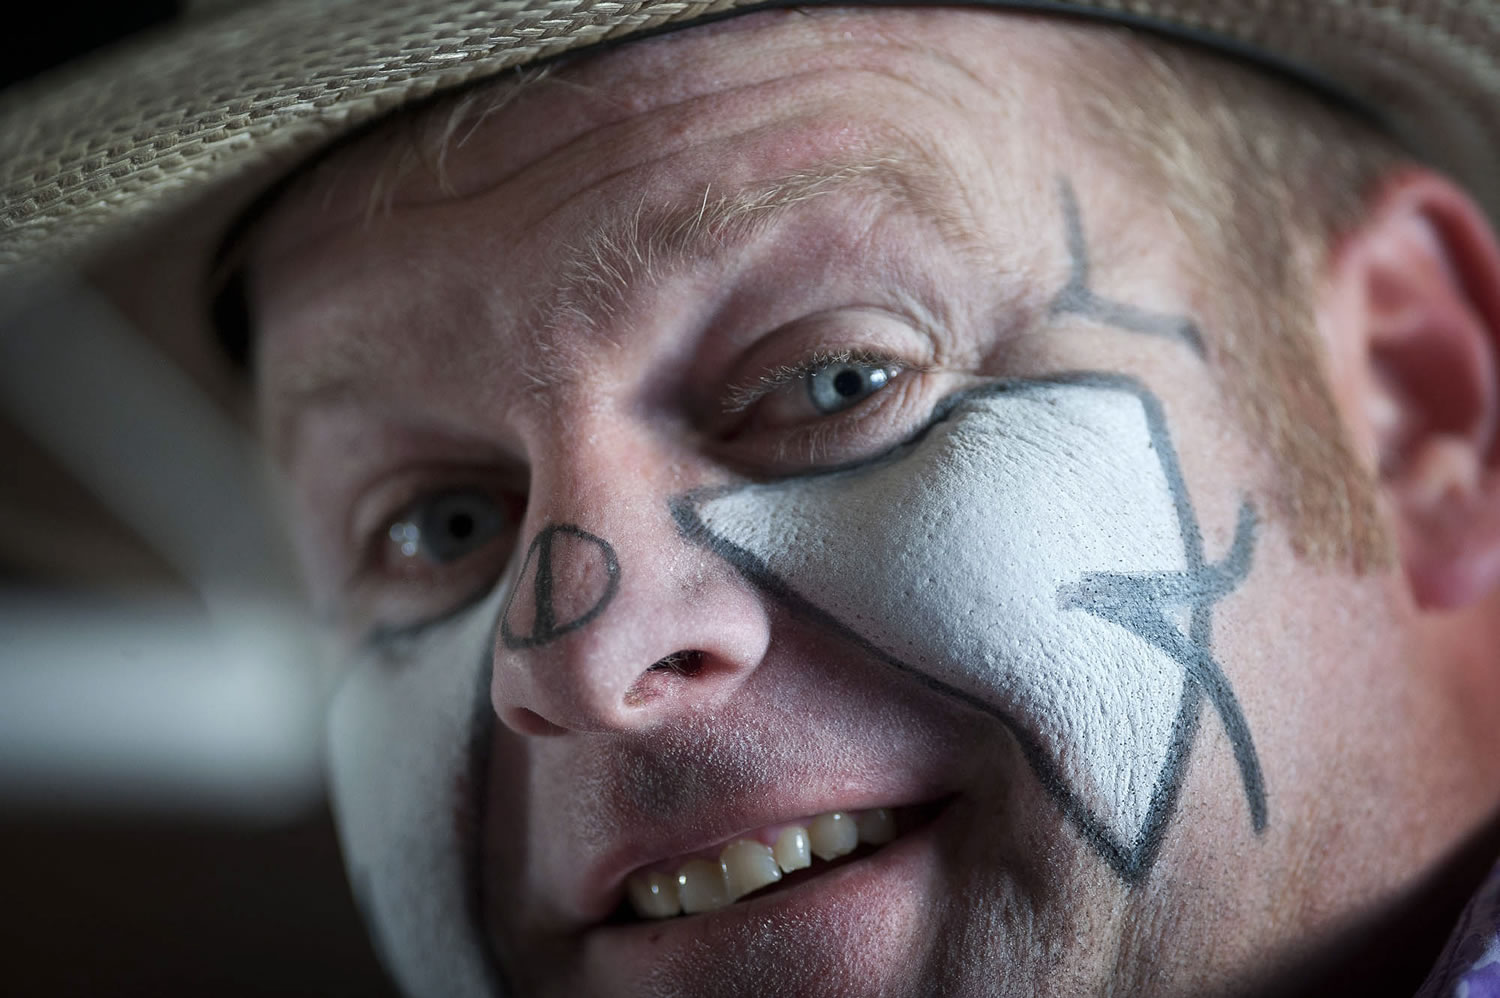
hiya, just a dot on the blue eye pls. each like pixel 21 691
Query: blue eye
pixel 835 387
pixel 449 526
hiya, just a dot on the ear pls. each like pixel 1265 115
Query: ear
pixel 1414 315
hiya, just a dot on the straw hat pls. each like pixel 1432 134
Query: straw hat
pixel 214 107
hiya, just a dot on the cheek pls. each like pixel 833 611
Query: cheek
pixel 404 768
pixel 985 560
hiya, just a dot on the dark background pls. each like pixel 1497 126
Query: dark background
pixel 100 905
pixel 98 902
pixel 40 35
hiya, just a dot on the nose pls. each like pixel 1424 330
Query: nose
pixel 614 622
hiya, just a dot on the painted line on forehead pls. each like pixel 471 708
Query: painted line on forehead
pixel 1130 861
pixel 545 629
pixel 1078 298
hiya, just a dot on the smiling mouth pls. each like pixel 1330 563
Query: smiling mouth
pixel 764 861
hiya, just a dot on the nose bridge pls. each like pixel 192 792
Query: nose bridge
pixel 571 573
pixel 600 598
pixel 568 577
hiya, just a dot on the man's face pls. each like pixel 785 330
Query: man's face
pixel 803 416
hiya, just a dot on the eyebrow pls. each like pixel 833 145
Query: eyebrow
pixel 639 244
pixel 642 243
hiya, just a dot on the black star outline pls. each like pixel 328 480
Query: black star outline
pixel 1142 603
pixel 1139 602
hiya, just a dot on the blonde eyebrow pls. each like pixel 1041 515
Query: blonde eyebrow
pixel 638 244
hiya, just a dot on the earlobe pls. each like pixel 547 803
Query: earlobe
pixel 1419 292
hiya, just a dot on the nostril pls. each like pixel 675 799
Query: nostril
pixel 661 677
pixel 681 663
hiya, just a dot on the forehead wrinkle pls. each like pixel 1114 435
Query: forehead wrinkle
pixel 638 244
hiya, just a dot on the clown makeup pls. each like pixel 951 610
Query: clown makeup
pixel 845 466
pixel 408 747
pixel 594 584
pixel 1039 558
pixel 1033 553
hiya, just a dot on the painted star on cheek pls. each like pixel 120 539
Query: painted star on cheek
pixel 1027 554
pixel 1143 604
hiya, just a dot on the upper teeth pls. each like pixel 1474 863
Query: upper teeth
pixel 747 865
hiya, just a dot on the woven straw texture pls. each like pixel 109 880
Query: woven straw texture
pixel 96 151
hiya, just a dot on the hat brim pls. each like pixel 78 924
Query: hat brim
pixel 103 148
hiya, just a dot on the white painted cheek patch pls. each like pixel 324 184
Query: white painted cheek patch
pixel 1033 553
pixel 408 743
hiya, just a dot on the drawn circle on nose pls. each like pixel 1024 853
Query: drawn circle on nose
pixel 568 579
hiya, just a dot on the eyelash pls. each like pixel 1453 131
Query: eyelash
pixel 822 441
pixel 742 396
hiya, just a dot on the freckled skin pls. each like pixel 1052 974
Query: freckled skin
pixel 456 367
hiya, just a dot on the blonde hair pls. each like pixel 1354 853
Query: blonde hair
pixel 1265 178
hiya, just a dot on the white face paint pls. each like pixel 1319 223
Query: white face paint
pixel 402 754
pixel 958 558
pixel 981 558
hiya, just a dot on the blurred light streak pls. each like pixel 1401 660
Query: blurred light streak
pixel 152 705
pixel 137 433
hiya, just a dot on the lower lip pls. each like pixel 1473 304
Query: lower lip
pixel 901 875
